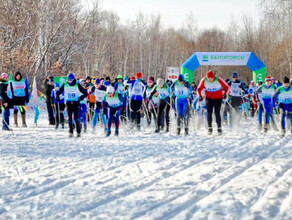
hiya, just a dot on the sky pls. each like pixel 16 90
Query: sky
pixel 207 13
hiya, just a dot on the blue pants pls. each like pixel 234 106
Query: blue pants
pixel 97 111
pixel 36 115
pixel 82 113
pixel 267 107
pixel 181 106
pixel 6 118
pixel 114 113
pixel 285 109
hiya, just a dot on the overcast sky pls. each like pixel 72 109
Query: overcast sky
pixel 208 13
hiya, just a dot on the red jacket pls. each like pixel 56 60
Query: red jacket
pixel 218 91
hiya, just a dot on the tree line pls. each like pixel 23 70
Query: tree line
pixel 54 37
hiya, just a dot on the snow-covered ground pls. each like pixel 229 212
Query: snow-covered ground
pixel 241 175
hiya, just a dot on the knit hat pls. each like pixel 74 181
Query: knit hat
pixel 286 80
pixel 138 75
pixel 210 74
pixel 180 77
pixel 150 80
pixel 4 76
pixel 119 77
pixel 97 81
pixel 268 78
pixel 234 75
pixel 70 76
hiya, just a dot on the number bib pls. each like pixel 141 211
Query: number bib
pixel 285 97
pixel 99 95
pixel 235 89
pixel 181 92
pixel 72 93
pixel 19 88
pixel 137 89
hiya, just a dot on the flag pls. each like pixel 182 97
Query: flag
pixel 9 92
pixel 34 94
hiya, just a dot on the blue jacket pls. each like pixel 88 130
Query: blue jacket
pixel 136 89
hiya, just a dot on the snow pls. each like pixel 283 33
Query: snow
pixel 242 175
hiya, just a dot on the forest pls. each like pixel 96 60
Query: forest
pixel 55 37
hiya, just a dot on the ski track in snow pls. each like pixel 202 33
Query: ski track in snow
pixel 139 175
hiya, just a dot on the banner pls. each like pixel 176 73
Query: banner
pixel 60 79
pixel 248 59
pixel 172 73
pixel 223 58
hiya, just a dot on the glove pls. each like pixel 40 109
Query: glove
pixel 200 98
pixel 104 111
pixel 224 96
pixel 0 109
pixel 58 99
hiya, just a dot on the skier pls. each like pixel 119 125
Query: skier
pixel 182 94
pixel 265 98
pixel 252 97
pixel 236 86
pixel 119 87
pixel 83 108
pixel 74 93
pixel 49 86
pixel 163 106
pixel 284 94
pixel 6 102
pixel 113 102
pixel 147 106
pixel 59 105
pixel 213 86
pixel 99 92
pixel 19 93
pixel 136 91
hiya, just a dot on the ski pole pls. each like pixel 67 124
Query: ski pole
pixel 8 126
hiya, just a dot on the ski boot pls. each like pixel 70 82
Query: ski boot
pixel 93 130
pixel 63 126
pixel 15 120
pixel 138 127
pixel 6 129
pixel 117 132
pixel 78 135
pixel 157 130
pixel 186 131
pixel 24 125
pixel 283 131
pixel 178 131
pixel 260 127
pixel 108 133
pixel 274 126
pixel 167 129
pixel 219 130
pixel 70 134
pixel 57 126
pixel 85 128
pixel 266 129
pixel 210 130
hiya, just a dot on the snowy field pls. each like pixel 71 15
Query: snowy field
pixel 241 175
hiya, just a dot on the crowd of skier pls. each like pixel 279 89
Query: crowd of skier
pixel 126 100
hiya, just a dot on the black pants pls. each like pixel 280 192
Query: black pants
pixel 59 108
pixel 162 106
pixel 213 104
pixel 235 103
pixel 135 106
pixel 91 111
pixel 73 108
pixel 50 113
